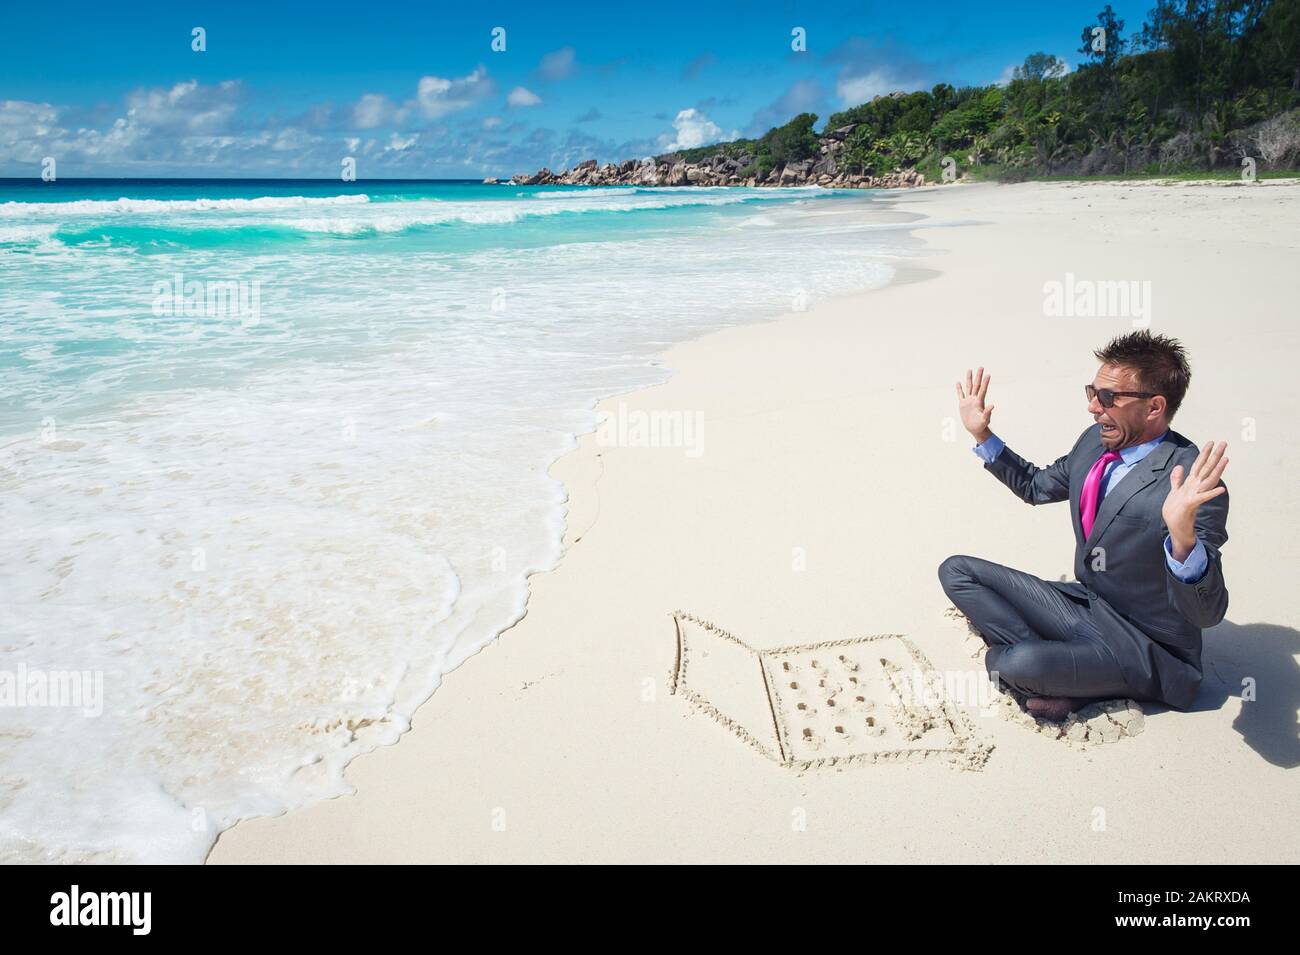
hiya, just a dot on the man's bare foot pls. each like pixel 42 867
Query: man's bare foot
pixel 1055 709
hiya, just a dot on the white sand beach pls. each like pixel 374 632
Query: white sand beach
pixel 827 480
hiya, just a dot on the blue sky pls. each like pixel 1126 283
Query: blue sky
pixel 416 90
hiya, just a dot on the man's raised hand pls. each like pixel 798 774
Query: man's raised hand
pixel 970 402
pixel 1187 492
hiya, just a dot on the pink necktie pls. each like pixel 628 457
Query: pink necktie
pixel 1092 490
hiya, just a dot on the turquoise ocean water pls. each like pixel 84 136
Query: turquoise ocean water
pixel 274 456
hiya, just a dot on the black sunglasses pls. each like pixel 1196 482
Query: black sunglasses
pixel 1107 397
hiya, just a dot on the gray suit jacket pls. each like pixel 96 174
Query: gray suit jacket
pixel 1147 616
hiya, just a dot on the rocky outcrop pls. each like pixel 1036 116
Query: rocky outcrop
pixel 740 169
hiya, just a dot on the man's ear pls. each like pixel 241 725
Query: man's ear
pixel 1159 405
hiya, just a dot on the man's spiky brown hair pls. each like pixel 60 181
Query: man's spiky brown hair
pixel 1159 362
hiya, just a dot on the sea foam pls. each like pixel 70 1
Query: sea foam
pixel 272 541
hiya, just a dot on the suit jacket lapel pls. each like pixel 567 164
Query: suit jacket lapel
pixel 1144 473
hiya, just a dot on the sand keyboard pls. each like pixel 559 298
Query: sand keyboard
pixel 859 700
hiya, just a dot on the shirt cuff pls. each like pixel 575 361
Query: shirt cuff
pixel 1193 568
pixel 989 449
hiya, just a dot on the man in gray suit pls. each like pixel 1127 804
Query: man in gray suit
pixel 1149 514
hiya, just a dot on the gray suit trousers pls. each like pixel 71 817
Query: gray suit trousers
pixel 1041 641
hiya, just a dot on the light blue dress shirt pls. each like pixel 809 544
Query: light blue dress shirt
pixel 1190 570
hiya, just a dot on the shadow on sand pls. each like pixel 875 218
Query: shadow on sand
pixel 1265 653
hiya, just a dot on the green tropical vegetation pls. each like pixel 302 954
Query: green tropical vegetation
pixel 1200 86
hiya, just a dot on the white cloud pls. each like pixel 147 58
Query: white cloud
pixel 373 109
pixel 692 128
pixel 27 129
pixel 520 97
pixel 854 90
pixel 184 108
pixel 436 97
pixel 35 117
pixel 161 123
pixel 193 128
pixel 292 140
pixel 557 64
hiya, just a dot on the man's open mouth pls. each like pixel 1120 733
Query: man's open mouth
pixel 1108 428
